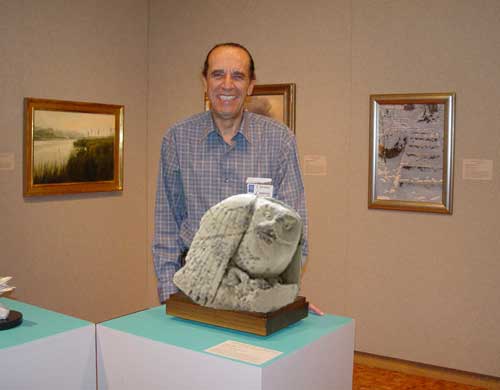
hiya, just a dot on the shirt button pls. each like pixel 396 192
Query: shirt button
pixel 226 180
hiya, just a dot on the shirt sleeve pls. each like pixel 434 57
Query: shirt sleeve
pixel 170 211
pixel 290 187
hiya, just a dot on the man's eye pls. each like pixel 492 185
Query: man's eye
pixel 238 76
pixel 217 75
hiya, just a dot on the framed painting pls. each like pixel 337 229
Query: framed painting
pixel 72 147
pixel 276 101
pixel 411 152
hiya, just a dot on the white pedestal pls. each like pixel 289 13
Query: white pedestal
pixel 47 351
pixel 150 350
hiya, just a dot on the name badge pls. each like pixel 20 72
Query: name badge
pixel 260 186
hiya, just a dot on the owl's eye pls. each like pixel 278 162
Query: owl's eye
pixel 288 223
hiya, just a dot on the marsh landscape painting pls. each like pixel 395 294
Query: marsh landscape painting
pixel 75 146
pixel 72 147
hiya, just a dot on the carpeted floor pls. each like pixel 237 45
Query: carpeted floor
pixel 369 378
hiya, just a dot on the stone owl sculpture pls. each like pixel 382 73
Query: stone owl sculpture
pixel 245 256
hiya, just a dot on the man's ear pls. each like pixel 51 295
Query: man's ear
pixel 250 87
pixel 205 84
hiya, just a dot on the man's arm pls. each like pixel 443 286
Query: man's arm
pixel 291 191
pixel 170 211
pixel 290 187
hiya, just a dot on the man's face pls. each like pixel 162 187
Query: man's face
pixel 228 81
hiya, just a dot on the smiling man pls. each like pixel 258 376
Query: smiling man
pixel 208 157
pixel 229 77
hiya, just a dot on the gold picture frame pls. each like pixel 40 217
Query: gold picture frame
pixel 273 100
pixel 72 147
pixel 411 152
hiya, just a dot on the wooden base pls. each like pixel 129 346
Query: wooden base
pixel 13 319
pixel 263 324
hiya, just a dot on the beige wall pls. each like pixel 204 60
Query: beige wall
pixel 426 287
pixel 421 287
pixel 83 255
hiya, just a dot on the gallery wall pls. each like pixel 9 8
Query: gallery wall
pixel 424 287
pixel 421 287
pixel 83 255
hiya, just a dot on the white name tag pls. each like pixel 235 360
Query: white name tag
pixel 260 186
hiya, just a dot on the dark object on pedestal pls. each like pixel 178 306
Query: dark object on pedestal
pixel 263 324
pixel 14 319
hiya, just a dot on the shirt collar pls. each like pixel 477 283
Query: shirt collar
pixel 244 129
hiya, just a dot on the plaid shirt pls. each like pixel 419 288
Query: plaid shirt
pixel 198 170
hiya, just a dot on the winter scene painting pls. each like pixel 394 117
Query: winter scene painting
pixel 73 146
pixel 410 144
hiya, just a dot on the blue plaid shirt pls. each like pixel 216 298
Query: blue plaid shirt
pixel 198 169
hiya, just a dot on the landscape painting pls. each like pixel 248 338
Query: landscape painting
pixel 411 152
pixel 267 105
pixel 276 101
pixel 73 147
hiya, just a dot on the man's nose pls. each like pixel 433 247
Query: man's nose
pixel 227 82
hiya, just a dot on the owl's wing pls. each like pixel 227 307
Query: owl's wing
pixel 221 230
pixel 291 275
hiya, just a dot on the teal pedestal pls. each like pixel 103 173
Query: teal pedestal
pixel 47 351
pixel 152 350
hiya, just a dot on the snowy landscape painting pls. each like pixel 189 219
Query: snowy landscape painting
pixel 72 145
pixel 411 151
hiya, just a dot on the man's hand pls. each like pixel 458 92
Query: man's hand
pixel 315 310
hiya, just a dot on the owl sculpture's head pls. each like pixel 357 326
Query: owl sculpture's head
pixel 271 239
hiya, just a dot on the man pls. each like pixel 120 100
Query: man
pixel 209 156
